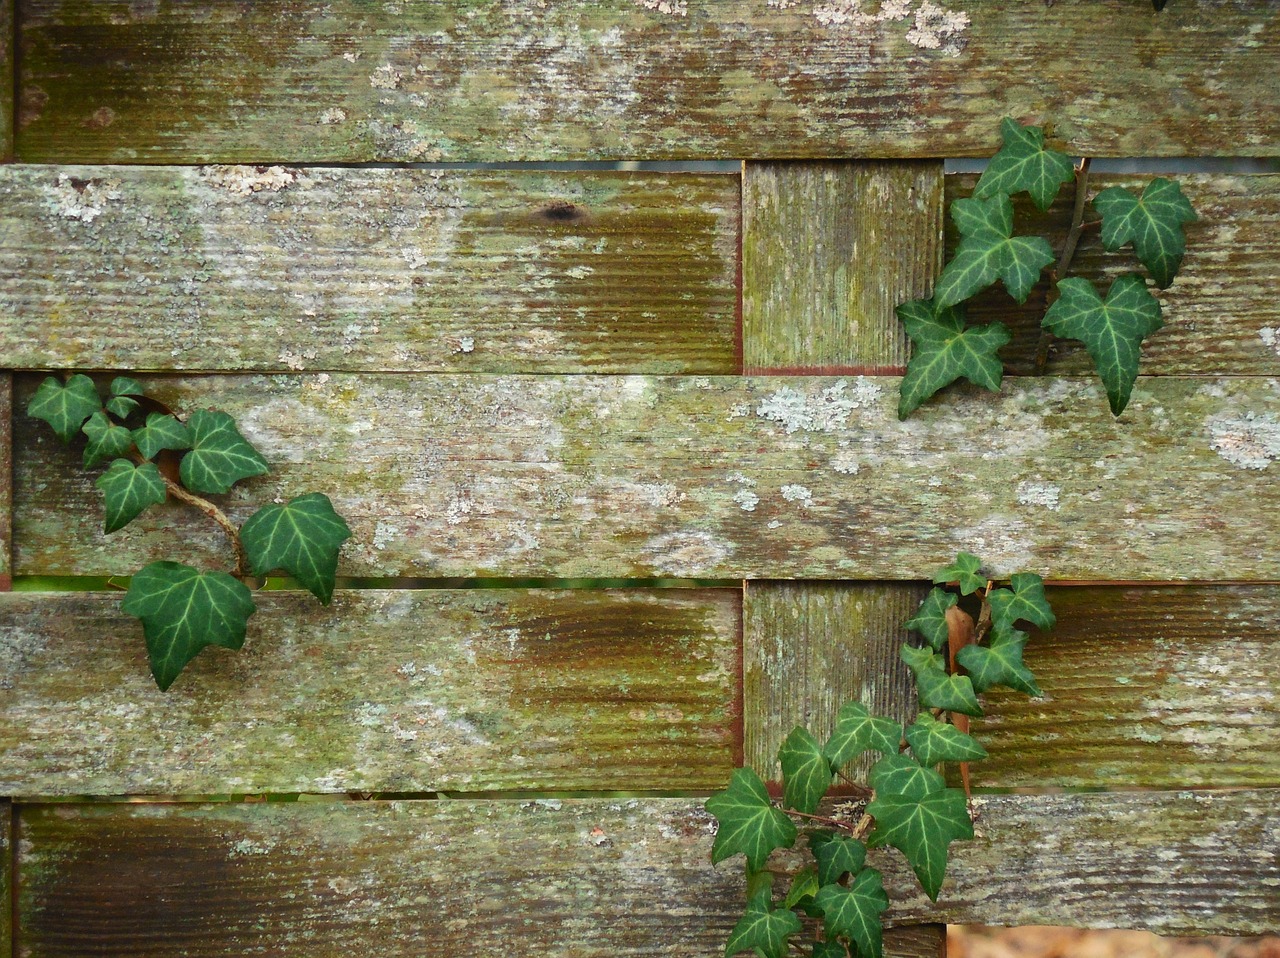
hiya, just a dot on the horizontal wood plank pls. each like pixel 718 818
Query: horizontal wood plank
pixel 595 877
pixel 637 79
pixel 1220 314
pixel 244 268
pixel 719 477
pixel 382 691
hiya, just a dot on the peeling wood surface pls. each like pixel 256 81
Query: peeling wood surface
pixel 244 268
pixel 810 647
pixel 828 251
pixel 402 691
pixel 594 877
pixel 616 79
pixel 733 477
pixel 1220 313
pixel 1157 688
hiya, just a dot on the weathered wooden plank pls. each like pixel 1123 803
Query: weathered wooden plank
pixel 1158 688
pixel 595 877
pixel 829 249
pixel 7 870
pixel 635 79
pixel 808 648
pixel 234 268
pixel 733 477
pixel 6 480
pixel 7 73
pixel 1220 314
pixel 403 691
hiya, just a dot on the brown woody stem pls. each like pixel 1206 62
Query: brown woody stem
pixel 217 515
pixel 1068 254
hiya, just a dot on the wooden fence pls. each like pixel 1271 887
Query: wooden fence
pixel 531 373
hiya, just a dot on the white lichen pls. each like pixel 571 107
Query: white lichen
pixel 826 412
pixel 333 116
pixel 675 8
pixel 247 180
pixel 686 552
pixel 937 28
pixel 798 493
pixel 1039 494
pixel 1249 441
pixel 1270 336
pixel 385 77
pixel 466 344
pixel 746 499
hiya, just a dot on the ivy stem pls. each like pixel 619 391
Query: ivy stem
pixel 856 786
pixel 218 516
pixel 1068 254
pixel 833 822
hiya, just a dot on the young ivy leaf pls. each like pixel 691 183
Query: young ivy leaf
pixel 935 688
pixel 763 930
pixel 161 432
pixel 1152 221
pixel 999 664
pixel 837 856
pixel 854 912
pixel 903 775
pixel 748 822
pixel 124 386
pixel 856 731
pixel 128 490
pixel 1024 164
pixel 932 742
pixel 804 885
pixel 1023 600
pixel 183 610
pixel 829 949
pixel 121 406
pixel 1112 331
pixel 806 776
pixel 966 570
pixel 921 828
pixel 946 351
pixel 106 439
pixel 931 620
pixel 65 408
pixel 990 251
pixel 302 537
pixel 219 457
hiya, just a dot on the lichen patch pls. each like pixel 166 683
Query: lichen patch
pixel 1250 441
pixel 247 180
pixel 674 8
pixel 826 412
pixel 1043 494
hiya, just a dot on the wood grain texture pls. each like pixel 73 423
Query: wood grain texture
pixel 6 480
pixel 7 853
pixel 7 73
pixel 244 268
pixel 828 251
pixel 1155 688
pixel 733 477
pixel 810 647
pixel 1220 313
pixel 595 877
pixel 617 79
pixel 404 691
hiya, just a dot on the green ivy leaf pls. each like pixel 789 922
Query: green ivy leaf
pixel 1024 164
pixel 219 457
pixel 1024 600
pixel 856 731
pixel 946 351
pixel 990 251
pixel 966 570
pixel 1112 331
pixel 829 949
pixel 854 912
pixel 806 776
pixel 183 610
pixel 748 822
pixel 302 537
pixel 106 439
pixel 1152 221
pixel 932 742
pixel 1000 663
pixel 65 408
pixel 804 885
pixel 931 620
pixel 128 490
pixel 836 856
pixel 903 775
pixel 161 432
pixel 921 828
pixel 935 688
pixel 763 930
pixel 124 386
pixel 121 406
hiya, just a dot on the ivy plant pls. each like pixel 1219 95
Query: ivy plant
pixel 153 455
pixel 969 641
pixel 1112 327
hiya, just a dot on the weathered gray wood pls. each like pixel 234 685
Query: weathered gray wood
pixel 725 477
pixel 234 268
pixel 596 877
pixel 7 853
pixel 7 105
pixel 404 691
pixel 6 480
pixel 635 79
pixel 1221 314
pixel 828 251
pixel 808 648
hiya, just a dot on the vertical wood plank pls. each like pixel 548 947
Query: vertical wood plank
pixel 6 482
pixel 8 107
pixel 8 868
pixel 829 249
